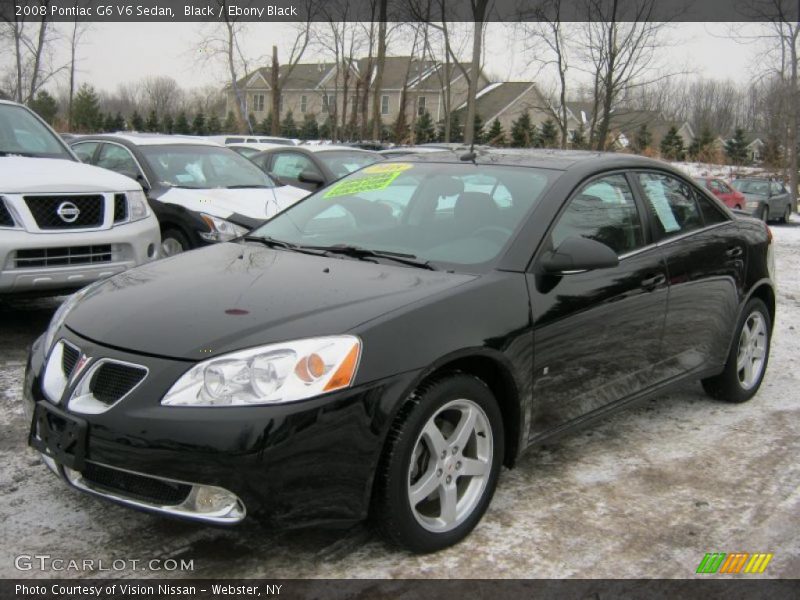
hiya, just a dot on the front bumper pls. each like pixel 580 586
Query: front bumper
pixel 307 462
pixel 131 245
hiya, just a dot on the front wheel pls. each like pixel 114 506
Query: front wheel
pixel 765 214
pixel 747 360
pixel 173 242
pixel 440 465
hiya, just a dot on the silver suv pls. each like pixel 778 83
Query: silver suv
pixel 63 224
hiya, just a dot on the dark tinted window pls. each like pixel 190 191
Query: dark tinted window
pixel 604 211
pixel 672 202
pixel 711 214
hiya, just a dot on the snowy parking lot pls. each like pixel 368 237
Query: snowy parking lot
pixel 644 494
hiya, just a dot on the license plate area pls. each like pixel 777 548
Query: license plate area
pixel 59 435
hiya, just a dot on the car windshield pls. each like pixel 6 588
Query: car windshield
pixel 446 214
pixel 22 134
pixel 750 186
pixel 203 167
pixel 343 162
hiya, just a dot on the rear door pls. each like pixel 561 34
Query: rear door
pixel 705 256
pixel 597 333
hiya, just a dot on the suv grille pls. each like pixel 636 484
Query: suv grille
pixel 5 215
pixel 120 208
pixel 137 487
pixel 69 358
pixel 111 381
pixel 45 209
pixel 54 257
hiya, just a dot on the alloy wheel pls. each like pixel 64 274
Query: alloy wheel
pixel 170 247
pixel 751 355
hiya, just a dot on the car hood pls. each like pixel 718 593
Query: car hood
pixel 254 203
pixel 237 295
pixel 23 175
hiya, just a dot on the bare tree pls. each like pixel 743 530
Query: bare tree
pixel 379 66
pixel 77 30
pixel 161 94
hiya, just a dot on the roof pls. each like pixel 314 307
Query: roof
pixel 495 98
pixel 315 148
pixel 581 110
pixel 154 139
pixel 304 76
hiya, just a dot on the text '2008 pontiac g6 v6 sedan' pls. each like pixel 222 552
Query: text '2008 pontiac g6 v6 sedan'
pixel 384 346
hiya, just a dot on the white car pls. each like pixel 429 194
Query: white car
pixel 201 192
pixel 226 140
pixel 63 224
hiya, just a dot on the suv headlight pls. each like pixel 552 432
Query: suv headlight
pixel 138 208
pixel 63 311
pixel 270 374
pixel 220 229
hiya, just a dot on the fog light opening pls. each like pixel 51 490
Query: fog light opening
pixel 206 500
pixel 151 251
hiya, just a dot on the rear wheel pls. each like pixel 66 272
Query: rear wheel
pixel 765 214
pixel 747 361
pixel 787 215
pixel 440 466
pixel 738 207
pixel 173 242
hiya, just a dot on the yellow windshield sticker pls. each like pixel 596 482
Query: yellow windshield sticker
pixel 387 167
pixel 373 178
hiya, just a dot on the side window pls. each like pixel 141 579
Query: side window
pixel 724 187
pixel 291 164
pixel 672 202
pixel 715 186
pixel 116 158
pixel 85 151
pixel 604 211
pixel 711 214
pixel 776 188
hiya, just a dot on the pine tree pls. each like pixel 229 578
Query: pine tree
pixel 522 131
pixel 168 124
pixel 230 123
pixel 424 131
pixel 137 123
pixel 182 124
pixel 736 148
pixel 266 125
pixel 85 109
pixel 549 134
pixel 672 145
pixel 199 123
pixel 109 123
pixel 310 128
pixel 700 148
pixel 119 122
pixel 578 139
pixel 152 123
pixel 45 106
pixel 214 127
pixel 289 127
pixel 642 139
pixel 496 136
pixel 100 123
pixel 326 129
pixel 478 135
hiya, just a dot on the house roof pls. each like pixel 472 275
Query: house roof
pixel 304 76
pixel 581 110
pixel 495 98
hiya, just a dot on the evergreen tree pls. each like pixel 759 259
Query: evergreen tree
pixel 310 129
pixel 137 123
pixel 230 123
pixel 119 122
pixel 549 134
pixel 110 122
pixel 672 145
pixel 326 129
pixel 182 124
pixel 736 148
pixel 152 123
pixel 85 109
pixel 45 106
pixel 772 151
pixel 100 123
pixel 456 130
pixel 642 139
pixel 168 124
pixel 496 136
pixel 199 123
pixel 700 148
pixel 266 125
pixel 424 131
pixel 478 135
pixel 214 127
pixel 289 127
pixel 522 131
pixel 578 139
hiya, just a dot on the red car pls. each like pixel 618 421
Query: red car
pixel 729 196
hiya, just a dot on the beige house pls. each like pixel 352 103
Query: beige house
pixel 322 89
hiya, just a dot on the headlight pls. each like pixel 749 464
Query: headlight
pixel 221 230
pixel 138 208
pixel 269 374
pixel 63 311
pixel 753 204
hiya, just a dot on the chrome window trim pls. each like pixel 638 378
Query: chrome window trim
pixel 133 156
pixel 669 240
pixel 88 404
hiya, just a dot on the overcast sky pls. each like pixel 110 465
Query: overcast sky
pixel 115 53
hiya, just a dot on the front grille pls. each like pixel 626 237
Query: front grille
pixel 5 215
pixel 136 487
pixel 111 381
pixel 69 357
pixel 45 209
pixel 120 208
pixel 59 257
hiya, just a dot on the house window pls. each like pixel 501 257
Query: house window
pixel 384 105
pixel 303 104
pixel 328 103
pixel 421 106
pixel 258 102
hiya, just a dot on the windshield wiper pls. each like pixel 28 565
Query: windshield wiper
pixel 14 153
pixel 244 187
pixel 365 253
pixel 273 243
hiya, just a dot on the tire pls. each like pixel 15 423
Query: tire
pixel 408 464
pixel 787 214
pixel 765 214
pixel 737 207
pixel 734 384
pixel 173 241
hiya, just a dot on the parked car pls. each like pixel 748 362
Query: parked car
pixel 202 193
pixel 312 167
pixel 766 199
pixel 341 360
pixel 251 139
pixel 63 225
pixel 250 150
pixel 729 196
pixel 406 150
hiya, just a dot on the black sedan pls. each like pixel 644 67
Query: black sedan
pixel 385 345
pixel 312 167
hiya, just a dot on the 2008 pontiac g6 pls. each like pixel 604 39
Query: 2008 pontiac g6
pixel 384 346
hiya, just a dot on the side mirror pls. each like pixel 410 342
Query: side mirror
pixel 578 254
pixel 142 182
pixel 310 177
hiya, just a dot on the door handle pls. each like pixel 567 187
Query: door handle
pixel 734 251
pixel 651 283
